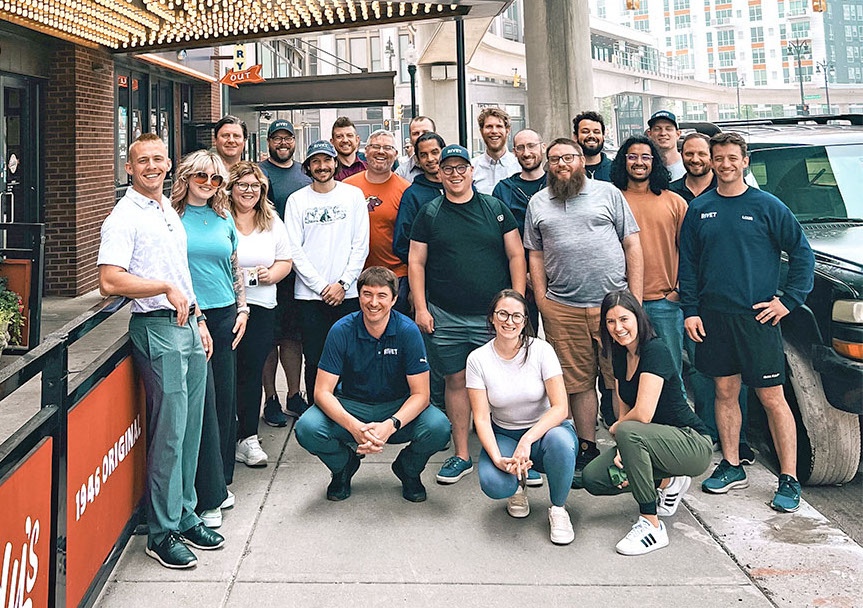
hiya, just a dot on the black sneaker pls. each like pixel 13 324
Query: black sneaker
pixel 584 457
pixel 340 486
pixel 201 537
pixel 172 553
pixel 745 454
pixel 273 414
pixel 412 488
pixel 297 406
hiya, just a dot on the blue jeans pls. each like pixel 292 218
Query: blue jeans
pixel 704 395
pixel 667 319
pixel 553 455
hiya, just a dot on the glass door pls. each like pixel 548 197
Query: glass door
pixel 19 156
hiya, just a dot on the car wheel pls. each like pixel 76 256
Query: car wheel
pixel 828 443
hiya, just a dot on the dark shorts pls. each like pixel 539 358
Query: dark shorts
pixel 287 326
pixel 738 344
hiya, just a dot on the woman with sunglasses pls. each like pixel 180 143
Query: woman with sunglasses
pixel 519 403
pixel 201 202
pixel 264 254
pixel 661 443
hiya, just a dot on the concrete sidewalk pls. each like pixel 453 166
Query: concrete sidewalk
pixel 288 546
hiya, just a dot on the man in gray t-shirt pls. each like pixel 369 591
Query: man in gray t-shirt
pixel 583 243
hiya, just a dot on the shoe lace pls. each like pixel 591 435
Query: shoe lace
pixel 254 443
pixel 519 499
pixel 787 487
pixel 639 529
pixel 559 519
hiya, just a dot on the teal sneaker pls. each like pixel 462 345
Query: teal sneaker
pixel 787 497
pixel 453 469
pixel 534 479
pixel 725 477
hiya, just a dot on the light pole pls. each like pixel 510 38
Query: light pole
pixel 411 59
pixel 829 69
pixel 798 47
pixel 390 52
pixel 740 82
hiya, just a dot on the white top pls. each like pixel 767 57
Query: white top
pixel 515 387
pixel 262 249
pixel 409 169
pixel 330 236
pixel 488 172
pixel 677 170
pixel 147 240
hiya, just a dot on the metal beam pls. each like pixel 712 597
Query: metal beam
pixel 461 68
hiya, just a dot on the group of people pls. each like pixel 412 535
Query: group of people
pixel 413 292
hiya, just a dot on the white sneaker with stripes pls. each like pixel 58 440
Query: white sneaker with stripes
pixel 670 496
pixel 643 538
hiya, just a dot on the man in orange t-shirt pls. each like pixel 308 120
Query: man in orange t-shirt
pixel 383 190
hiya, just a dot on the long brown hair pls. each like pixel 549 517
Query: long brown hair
pixel 199 161
pixel 264 210
pixel 527 333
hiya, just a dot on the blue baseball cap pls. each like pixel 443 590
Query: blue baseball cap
pixel 321 147
pixel 663 115
pixel 280 125
pixel 454 151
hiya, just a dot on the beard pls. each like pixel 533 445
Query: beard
pixel 280 155
pixel 592 150
pixel 697 171
pixel 536 164
pixel 565 189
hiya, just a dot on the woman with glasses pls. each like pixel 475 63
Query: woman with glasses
pixel 264 255
pixel 661 443
pixel 519 403
pixel 201 202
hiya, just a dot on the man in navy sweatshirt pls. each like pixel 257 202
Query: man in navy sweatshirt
pixel 730 246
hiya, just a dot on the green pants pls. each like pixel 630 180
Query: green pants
pixel 649 453
pixel 173 366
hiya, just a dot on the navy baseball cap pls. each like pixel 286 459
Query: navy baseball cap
pixel 663 115
pixel 454 151
pixel 321 147
pixel 280 125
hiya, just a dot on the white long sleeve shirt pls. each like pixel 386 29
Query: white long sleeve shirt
pixel 330 233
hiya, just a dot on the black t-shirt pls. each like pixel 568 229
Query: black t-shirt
pixel 672 408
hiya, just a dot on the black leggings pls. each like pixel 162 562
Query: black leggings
pixel 252 353
pixel 316 319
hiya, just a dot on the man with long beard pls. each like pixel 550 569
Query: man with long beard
pixel 588 129
pixel 583 243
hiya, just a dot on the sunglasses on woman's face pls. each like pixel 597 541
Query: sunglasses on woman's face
pixel 202 178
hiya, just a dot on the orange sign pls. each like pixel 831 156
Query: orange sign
pixel 106 472
pixel 250 76
pixel 25 530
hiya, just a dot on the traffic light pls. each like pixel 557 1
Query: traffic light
pixel 819 6
pixel 400 111
pixel 634 5
pixel 516 80
pixel 387 124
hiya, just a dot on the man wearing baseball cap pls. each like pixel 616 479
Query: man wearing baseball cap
pixel 329 228
pixel 465 247
pixel 663 130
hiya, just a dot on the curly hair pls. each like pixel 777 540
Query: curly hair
pixel 199 161
pixel 659 175
pixel 495 112
pixel 264 210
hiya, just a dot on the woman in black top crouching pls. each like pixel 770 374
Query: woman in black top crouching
pixel 661 443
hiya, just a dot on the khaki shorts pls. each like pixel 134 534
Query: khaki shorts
pixel 574 334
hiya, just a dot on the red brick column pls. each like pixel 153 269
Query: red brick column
pixel 79 166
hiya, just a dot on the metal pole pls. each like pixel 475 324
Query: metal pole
pixel 461 69
pixel 412 71
pixel 826 86
pixel 738 98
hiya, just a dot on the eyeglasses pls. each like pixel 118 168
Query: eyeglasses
pixel 563 158
pixel 646 158
pixel 202 178
pixel 503 316
pixel 246 186
pixel 283 140
pixel 378 148
pixel 450 169
pixel 531 146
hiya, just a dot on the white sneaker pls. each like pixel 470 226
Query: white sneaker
pixel 228 503
pixel 250 453
pixel 671 495
pixel 643 538
pixel 561 527
pixel 517 505
pixel 212 518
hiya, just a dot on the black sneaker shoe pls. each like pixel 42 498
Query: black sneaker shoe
pixel 297 406
pixel 746 454
pixel 412 488
pixel 201 537
pixel 340 486
pixel 172 553
pixel 581 461
pixel 273 414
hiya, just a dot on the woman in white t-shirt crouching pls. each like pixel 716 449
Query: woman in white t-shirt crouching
pixel 519 404
pixel 264 254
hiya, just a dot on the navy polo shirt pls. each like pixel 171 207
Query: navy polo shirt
pixel 373 370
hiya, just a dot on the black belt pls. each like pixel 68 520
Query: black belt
pixel 164 312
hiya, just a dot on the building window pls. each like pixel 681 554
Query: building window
pixel 404 43
pixel 667 23
pixel 359 54
pixel 600 9
pixel 643 25
pixel 755 12
pixel 725 38
pixel 800 29
pixel 759 78
pixel 726 59
pixel 682 21
pixel 781 8
pixel 796 7
pixel 680 5
pixel 728 79
pixel 684 62
pixel 723 16
pixel 757 34
pixel 683 41
pixel 758 56
pixel 342 53
pixel 375 44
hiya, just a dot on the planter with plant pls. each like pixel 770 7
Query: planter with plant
pixel 11 315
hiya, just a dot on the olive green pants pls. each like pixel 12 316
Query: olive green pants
pixel 649 453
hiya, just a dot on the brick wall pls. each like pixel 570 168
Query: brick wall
pixel 207 106
pixel 79 166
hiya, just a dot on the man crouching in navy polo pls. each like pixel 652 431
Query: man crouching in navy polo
pixel 373 389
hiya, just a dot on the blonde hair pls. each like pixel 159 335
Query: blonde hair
pixel 200 161
pixel 264 210
pixel 497 113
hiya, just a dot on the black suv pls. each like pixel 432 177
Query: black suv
pixel 815 166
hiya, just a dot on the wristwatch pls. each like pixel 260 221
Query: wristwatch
pixel 397 424
pixel 344 285
pixel 201 317
pixel 244 309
